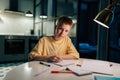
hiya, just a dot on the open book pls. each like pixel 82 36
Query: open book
pixel 78 71
pixel 96 66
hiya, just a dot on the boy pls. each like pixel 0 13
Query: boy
pixel 58 47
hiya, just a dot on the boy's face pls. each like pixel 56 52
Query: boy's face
pixel 62 31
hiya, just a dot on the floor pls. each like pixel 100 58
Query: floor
pixel 4 68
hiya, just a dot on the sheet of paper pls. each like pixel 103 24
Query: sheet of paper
pixel 78 71
pixel 65 63
pixel 97 66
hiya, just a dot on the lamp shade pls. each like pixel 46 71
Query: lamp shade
pixel 105 17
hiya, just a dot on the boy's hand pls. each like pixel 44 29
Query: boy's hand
pixel 55 59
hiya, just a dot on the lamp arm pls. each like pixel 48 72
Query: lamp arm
pixel 111 6
pixel 118 4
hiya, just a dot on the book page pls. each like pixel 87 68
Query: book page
pixel 97 66
pixel 78 70
pixel 65 63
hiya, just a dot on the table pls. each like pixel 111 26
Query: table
pixel 35 71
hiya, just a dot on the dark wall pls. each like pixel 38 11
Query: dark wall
pixel 114 36
pixel 13 5
pixel 87 30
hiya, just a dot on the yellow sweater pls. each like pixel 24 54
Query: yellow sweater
pixel 60 47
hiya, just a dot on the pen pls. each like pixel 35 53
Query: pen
pixel 44 64
pixel 53 51
pixel 55 71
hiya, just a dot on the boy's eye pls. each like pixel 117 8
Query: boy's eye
pixel 66 31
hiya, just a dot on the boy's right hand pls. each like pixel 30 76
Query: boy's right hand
pixel 55 59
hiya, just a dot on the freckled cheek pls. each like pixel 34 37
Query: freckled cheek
pixel 65 33
pixel 60 33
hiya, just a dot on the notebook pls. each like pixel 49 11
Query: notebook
pixel 78 71
pixel 65 63
pixel 106 78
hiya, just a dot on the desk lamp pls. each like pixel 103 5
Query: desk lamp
pixel 105 17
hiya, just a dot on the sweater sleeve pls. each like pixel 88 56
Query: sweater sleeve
pixel 37 50
pixel 72 50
